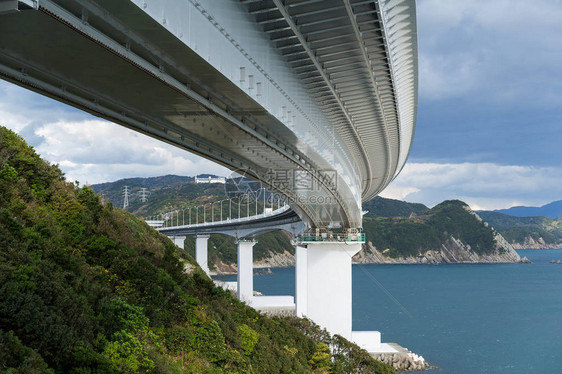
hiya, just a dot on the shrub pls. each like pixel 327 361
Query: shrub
pixel 210 342
pixel 249 338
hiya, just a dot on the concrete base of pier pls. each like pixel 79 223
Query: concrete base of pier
pixel 371 342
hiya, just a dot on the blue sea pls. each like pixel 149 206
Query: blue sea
pixel 499 318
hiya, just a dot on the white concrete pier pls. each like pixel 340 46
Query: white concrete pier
pixel 201 252
pixel 179 241
pixel 323 284
pixel 301 280
pixel 245 270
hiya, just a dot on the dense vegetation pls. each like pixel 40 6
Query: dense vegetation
pixel 518 229
pixel 88 288
pixel 415 235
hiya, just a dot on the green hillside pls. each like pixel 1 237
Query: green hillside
pixel 88 288
pixel 381 207
pixel 517 229
pixel 413 236
pixel 166 193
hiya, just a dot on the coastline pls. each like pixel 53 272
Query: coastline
pixel 545 247
pixel 443 257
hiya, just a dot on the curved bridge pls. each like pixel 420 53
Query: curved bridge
pixel 315 99
pixel 246 227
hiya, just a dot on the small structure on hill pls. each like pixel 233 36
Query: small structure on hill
pixel 210 179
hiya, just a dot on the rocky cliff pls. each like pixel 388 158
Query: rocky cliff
pixel 531 243
pixel 273 260
pixel 276 260
pixel 453 251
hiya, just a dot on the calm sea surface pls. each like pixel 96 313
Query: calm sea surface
pixel 462 318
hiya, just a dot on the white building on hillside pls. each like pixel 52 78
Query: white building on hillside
pixel 210 180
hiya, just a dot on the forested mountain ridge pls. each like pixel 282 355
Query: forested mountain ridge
pixel 382 207
pixel 450 232
pixel 89 288
pixel 164 194
pixel 173 192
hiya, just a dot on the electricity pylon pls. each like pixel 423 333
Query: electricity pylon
pixel 143 194
pixel 125 197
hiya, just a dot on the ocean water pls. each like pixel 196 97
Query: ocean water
pixel 499 318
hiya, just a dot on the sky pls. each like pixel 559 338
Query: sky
pixel 489 123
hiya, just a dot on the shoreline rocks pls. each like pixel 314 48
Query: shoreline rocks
pixel 530 243
pixel 276 260
pixel 535 247
pixel 453 251
pixel 403 359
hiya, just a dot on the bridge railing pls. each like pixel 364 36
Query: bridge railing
pixel 239 209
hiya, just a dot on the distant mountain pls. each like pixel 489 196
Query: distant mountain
pixel 552 210
pixel 165 193
pixel 526 232
pixel 381 207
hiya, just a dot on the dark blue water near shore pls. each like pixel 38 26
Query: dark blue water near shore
pixel 504 318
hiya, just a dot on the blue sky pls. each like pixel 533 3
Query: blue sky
pixel 489 116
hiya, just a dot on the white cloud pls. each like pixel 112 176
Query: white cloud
pixel 94 151
pixel 481 185
pixel 20 108
pixel 499 50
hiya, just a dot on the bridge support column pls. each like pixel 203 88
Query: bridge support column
pixel 323 284
pixel 201 252
pixel 301 281
pixel 179 241
pixel 246 270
